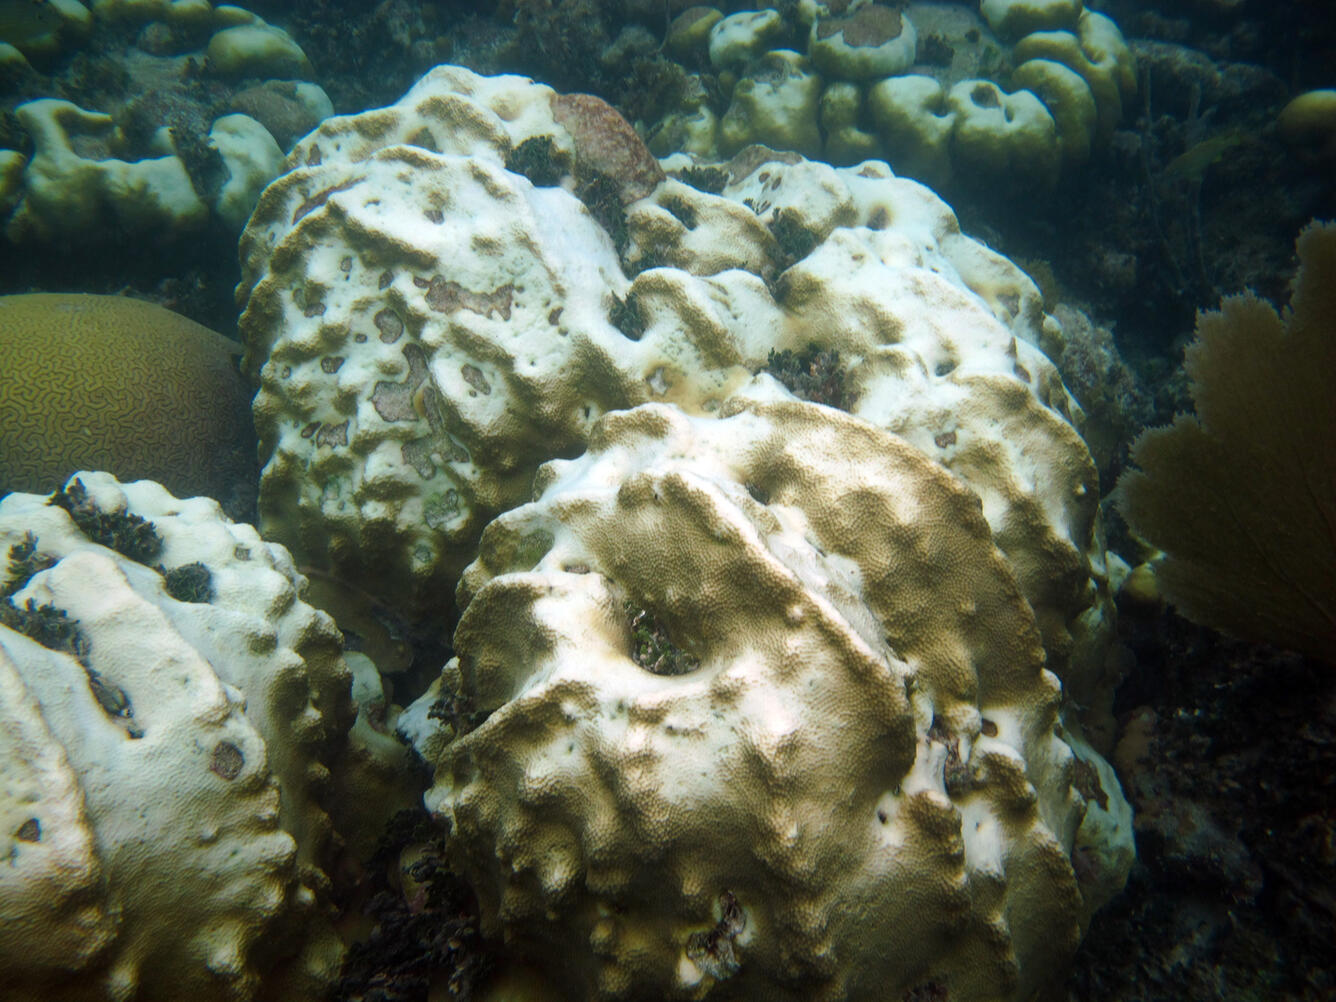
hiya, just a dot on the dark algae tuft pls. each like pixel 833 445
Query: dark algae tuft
pixel 126 533
pixel 48 626
pixel 432 943
pixel 190 583
pixel 814 374
pixel 795 240
pixel 704 178
pixel 652 648
pixel 24 561
pixel 538 159
pixel 602 196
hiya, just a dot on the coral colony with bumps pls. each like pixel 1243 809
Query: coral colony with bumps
pixel 586 559
pixel 919 83
pixel 165 761
pixel 196 104
pixel 767 695
pixel 856 758
pixel 785 636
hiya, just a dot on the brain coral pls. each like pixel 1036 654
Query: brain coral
pixel 163 756
pixel 106 382
pixel 428 326
pixel 751 707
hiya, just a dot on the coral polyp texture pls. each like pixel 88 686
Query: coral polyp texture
pixel 936 337
pixel 751 707
pixel 763 696
pixel 427 325
pixel 171 710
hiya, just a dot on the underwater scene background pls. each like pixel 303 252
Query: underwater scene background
pixel 629 499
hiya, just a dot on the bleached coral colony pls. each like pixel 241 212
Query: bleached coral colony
pixel 869 612
pixel 165 756
pixel 754 697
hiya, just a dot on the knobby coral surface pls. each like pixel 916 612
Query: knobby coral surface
pixel 854 785
pixel 428 324
pixel 758 684
pixel 169 725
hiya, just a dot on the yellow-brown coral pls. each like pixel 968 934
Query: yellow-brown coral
pixel 106 382
pixel 1242 497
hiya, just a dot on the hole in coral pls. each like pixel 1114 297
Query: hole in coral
pixel 651 646
pixel 984 96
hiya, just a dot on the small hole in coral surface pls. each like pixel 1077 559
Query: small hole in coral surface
pixel 713 949
pixel 651 646
pixel 881 815
pixel 928 991
pixel 227 760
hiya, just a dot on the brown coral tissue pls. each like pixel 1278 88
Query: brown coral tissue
pixel 1242 497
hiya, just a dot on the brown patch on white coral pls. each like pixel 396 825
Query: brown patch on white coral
pixel 606 144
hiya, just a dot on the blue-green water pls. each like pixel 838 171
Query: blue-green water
pixel 420 330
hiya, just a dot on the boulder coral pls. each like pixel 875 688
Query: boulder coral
pixel 751 707
pixel 171 714
pixel 427 326
pixel 758 698
pixel 937 338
